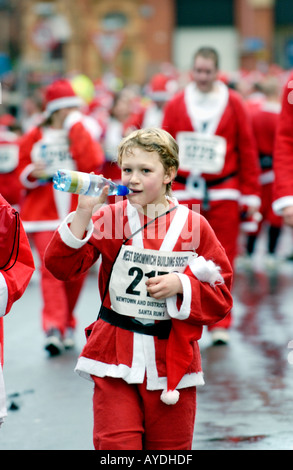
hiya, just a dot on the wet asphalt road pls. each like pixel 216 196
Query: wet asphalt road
pixel 246 404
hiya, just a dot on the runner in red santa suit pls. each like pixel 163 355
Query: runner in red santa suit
pixel 163 276
pixel 14 278
pixel 62 141
pixel 283 161
pixel 218 159
pixel 264 119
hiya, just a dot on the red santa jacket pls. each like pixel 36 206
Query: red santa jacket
pixel 14 281
pixel 240 173
pixel 10 186
pixel 43 207
pixel 264 123
pixel 283 161
pixel 116 352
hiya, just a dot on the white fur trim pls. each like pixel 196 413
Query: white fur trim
pixel 73 118
pixel 170 397
pixel 24 177
pixel 66 102
pixel 206 271
pixel 86 367
pixel 3 295
pixel 67 236
pixel 280 204
pixel 206 108
pixel 41 225
pixel 250 200
pixel 171 302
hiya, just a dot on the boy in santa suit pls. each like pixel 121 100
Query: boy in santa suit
pixel 264 120
pixel 163 276
pixel 218 159
pixel 14 278
pixel 283 161
pixel 61 141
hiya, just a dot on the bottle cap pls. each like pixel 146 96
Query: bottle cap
pixel 122 190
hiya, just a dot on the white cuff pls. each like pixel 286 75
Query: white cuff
pixel 280 204
pixel 250 200
pixel 3 295
pixel 171 302
pixel 206 271
pixel 67 236
pixel 24 177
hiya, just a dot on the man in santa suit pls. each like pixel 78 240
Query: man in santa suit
pixel 218 159
pixel 14 278
pixel 61 141
pixel 283 162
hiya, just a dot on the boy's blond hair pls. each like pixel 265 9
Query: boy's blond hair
pixel 152 140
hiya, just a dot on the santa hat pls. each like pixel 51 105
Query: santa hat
pixel 161 87
pixel 60 94
pixel 180 351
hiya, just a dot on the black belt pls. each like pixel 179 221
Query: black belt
pixel 209 184
pixel 160 329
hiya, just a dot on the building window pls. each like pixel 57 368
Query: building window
pixel 114 20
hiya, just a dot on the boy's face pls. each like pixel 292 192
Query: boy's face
pixel 144 174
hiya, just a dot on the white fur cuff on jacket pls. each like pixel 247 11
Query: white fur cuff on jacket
pixel 204 271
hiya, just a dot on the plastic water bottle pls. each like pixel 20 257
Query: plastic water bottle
pixel 77 182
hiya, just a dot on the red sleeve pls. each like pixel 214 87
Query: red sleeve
pixel 26 143
pixel 175 118
pixel 210 303
pixel 18 277
pixel 249 168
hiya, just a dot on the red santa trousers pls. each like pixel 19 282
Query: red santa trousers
pixel 59 297
pixel 129 417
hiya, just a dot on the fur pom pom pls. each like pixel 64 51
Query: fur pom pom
pixel 206 271
pixel 170 397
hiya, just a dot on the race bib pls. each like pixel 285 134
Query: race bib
pixel 201 153
pixel 8 157
pixel 132 268
pixel 55 156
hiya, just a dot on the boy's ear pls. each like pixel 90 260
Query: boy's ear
pixel 170 175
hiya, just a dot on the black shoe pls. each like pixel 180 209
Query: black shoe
pixel 53 343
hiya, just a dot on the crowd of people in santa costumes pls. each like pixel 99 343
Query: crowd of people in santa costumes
pixel 62 140
pixel 219 166
pixel 16 269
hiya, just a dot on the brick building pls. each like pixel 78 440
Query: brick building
pixel 133 37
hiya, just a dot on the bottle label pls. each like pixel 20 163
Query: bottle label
pixel 80 182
